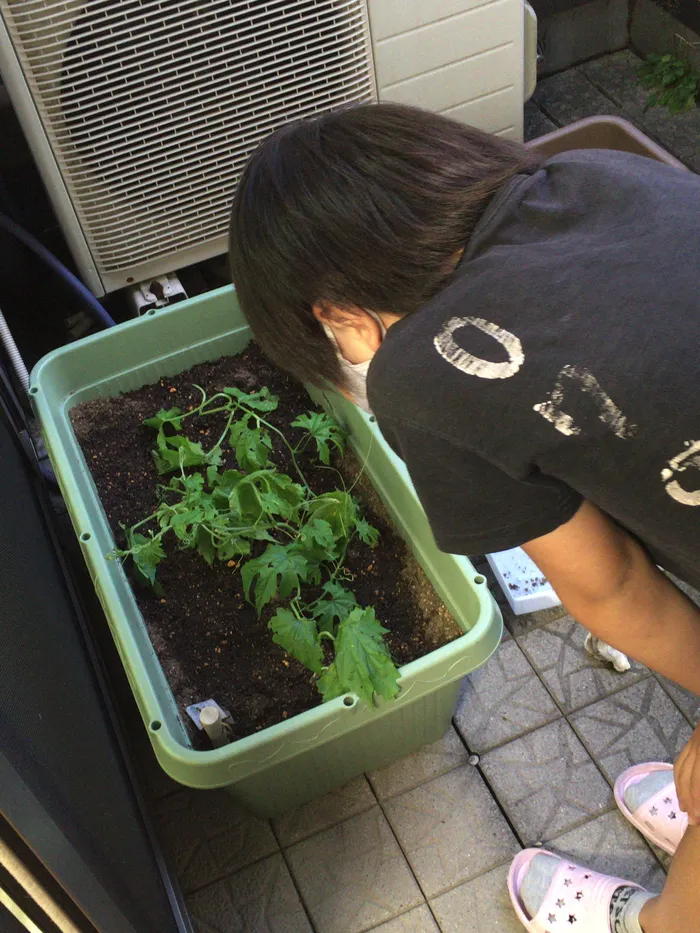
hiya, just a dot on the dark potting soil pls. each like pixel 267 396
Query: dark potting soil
pixel 208 638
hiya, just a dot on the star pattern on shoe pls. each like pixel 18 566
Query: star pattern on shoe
pixel 567 882
pixel 572 868
pixel 572 919
pixel 579 895
pixel 672 815
pixel 551 918
pixel 586 877
pixel 560 903
pixel 653 811
pixel 667 800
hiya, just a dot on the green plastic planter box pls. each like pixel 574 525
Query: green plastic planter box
pixel 310 754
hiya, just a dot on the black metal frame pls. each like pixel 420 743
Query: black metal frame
pixel 22 810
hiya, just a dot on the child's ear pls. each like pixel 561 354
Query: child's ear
pixel 356 333
pixel 328 313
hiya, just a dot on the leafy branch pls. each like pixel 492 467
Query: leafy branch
pixel 230 514
pixel 673 83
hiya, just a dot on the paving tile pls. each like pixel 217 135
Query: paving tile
pixel 354 876
pixel 450 829
pixel 687 702
pixel 479 906
pixel 210 836
pixel 572 676
pixel 617 76
pixel 640 723
pixel 419 920
pixel 611 845
pixel 570 96
pixel 677 132
pixel 546 782
pixel 536 123
pixel 501 700
pixel 258 899
pixel 325 811
pixel 427 763
pixel 529 621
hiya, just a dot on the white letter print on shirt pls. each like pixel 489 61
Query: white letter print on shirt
pixel 608 412
pixel 471 365
pixel 687 458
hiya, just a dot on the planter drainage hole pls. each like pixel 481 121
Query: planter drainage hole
pixel 480 579
pixel 34 390
pixel 155 725
pixel 85 536
pixel 151 312
pixel 372 419
pixel 349 700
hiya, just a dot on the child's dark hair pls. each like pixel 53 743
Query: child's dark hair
pixel 362 207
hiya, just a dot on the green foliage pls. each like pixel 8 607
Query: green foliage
pixel 175 451
pixel 146 552
pixel 223 514
pixel 277 572
pixel 299 637
pixel 321 428
pixel 335 604
pixel 673 83
pixel 251 444
pixel 362 663
pixel 362 659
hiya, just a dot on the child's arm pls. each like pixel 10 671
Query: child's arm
pixel 610 585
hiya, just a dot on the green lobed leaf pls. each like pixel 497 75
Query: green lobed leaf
pixel 234 546
pixel 317 539
pixel 368 534
pixel 336 604
pixel 205 545
pixel 278 570
pixel 362 659
pixel 324 430
pixel 299 637
pixel 279 494
pixel 171 416
pixel 146 551
pixel 252 446
pixel 177 451
pixel 185 524
pixel 329 684
pixel 338 509
pixel 262 400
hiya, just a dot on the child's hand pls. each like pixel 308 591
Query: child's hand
pixel 687 778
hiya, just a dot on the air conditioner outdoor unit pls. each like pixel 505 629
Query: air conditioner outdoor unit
pixel 141 113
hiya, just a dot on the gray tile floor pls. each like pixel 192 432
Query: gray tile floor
pixel 539 735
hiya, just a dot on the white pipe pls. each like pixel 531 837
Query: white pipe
pixel 215 728
pixel 8 342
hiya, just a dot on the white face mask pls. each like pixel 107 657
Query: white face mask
pixel 355 373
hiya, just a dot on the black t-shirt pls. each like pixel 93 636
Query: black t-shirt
pixel 561 362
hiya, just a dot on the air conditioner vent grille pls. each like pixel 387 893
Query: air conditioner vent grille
pixel 153 106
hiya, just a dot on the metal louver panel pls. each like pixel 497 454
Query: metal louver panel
pixel 151 107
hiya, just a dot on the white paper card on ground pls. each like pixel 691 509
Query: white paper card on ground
pixel 525 588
